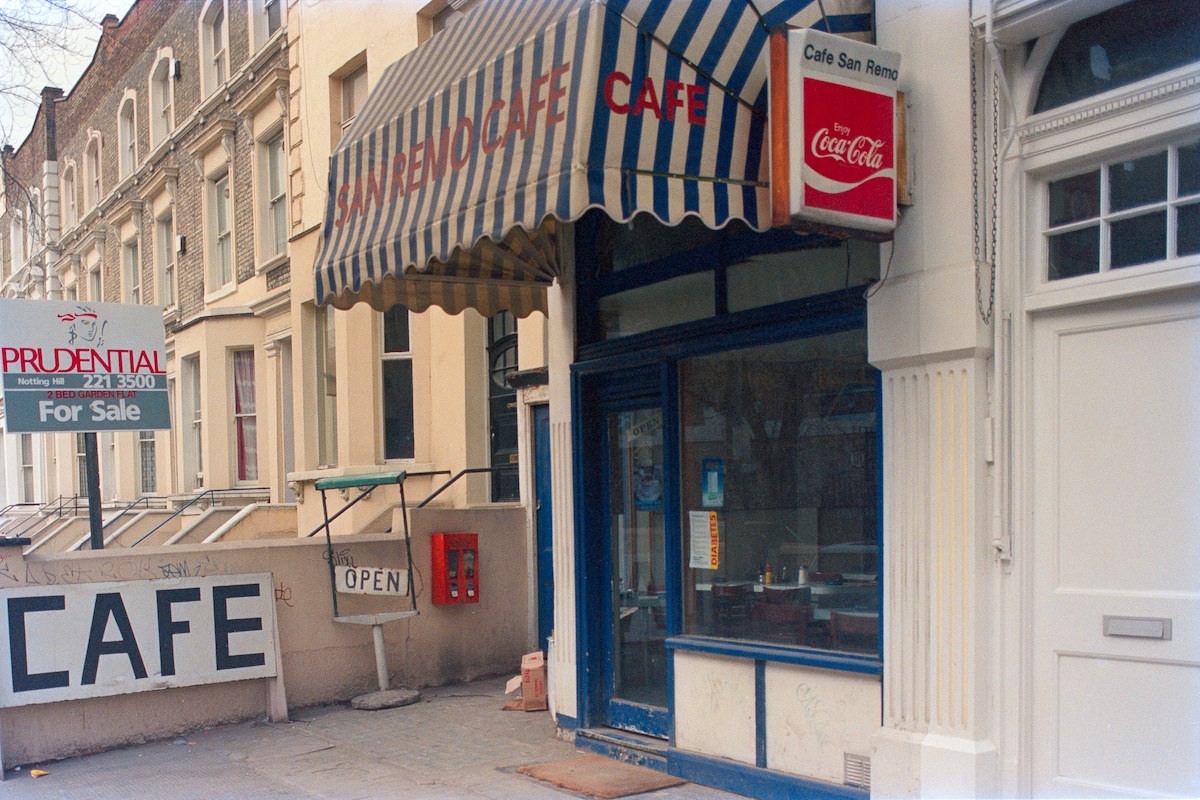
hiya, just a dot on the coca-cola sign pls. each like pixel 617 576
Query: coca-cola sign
pixel 840 110
pixel 849 165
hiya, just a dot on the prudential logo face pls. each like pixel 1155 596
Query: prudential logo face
pixel 84 327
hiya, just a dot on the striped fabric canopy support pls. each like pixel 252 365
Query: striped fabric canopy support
pixel 449 186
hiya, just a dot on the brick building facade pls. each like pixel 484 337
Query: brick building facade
pixel 113 197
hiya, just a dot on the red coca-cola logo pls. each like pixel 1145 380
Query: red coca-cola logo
pixel 859 151
pixel 849 158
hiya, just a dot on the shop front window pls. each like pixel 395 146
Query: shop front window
pixel 779 455
pixel 643 276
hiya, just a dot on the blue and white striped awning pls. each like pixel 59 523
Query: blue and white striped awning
pixel 449 186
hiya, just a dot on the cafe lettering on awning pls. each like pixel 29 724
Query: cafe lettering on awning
pixel 450 186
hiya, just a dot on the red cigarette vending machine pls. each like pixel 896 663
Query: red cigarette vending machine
pixel 455 568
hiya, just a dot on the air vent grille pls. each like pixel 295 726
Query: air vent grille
pixel 857 771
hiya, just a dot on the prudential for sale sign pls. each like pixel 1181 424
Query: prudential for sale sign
pixel 71 367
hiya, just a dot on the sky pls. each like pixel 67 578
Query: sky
pixel 77 31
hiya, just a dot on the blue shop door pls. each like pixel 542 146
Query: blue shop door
pixel 543 515
pixel 635 518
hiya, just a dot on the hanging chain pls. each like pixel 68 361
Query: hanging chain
pixel 974 147
pixel 993 257
pixel 985 208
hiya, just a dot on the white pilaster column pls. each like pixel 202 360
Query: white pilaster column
pixel 560 321
pixel 926 335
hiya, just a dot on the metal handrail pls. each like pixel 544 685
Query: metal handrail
pixel 367 489
pixel 24 523
pixel 58 504
pixel 194 500
pixel 146 499
pixel 33 519
pixel 471 471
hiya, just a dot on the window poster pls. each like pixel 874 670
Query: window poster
pixel 705 539
pixel 712 489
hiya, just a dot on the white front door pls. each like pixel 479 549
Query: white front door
pixel 1116 548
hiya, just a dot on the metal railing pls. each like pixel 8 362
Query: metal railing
pixel 472 471
pixel 39 514
pixel 20 524
pixel 211 494
pixel 59 506
pixel 367 489
pixel 134 505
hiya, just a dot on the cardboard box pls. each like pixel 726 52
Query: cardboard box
pixel 532 681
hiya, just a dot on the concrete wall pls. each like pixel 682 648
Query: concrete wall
pixel 323 661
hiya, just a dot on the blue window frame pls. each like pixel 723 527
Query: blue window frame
pixel 651 366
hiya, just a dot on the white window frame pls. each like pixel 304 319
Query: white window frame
pixel 192 414
pixel 131 269
pixel 96 285
pixel 237 417
pixel 17 240
pixel 213 35
pixel 34 224
pixel 221 268
pixel 351 83
pixel 93 160
pixel 260 22
pixel 161 97
pixel 27 467
pixel 146 448
pixel 325 346
pixel 272 196
pixel 1081 137
pixel 165 258
pixel 81 464
pixel 1106 217
pixel 393 356
pixel 127 142
pixel 70 208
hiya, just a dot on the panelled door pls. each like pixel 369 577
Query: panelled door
pixel 1116 548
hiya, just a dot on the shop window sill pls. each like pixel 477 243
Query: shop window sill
pixel 757 651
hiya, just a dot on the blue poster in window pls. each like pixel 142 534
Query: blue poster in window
pixel 648 487
pixel 712 483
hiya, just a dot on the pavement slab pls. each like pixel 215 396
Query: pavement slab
pixel 454 744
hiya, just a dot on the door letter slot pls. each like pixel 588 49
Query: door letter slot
pixel 1137 627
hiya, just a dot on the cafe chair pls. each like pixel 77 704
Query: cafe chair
pixel 857 631
pixel 731 608
pixel 783 622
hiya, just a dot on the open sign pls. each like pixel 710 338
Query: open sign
pixel 370 580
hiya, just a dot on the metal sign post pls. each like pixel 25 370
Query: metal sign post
pixel 91 455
